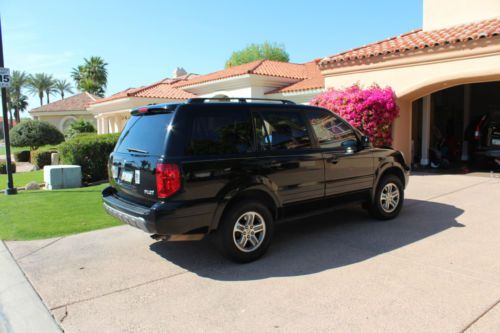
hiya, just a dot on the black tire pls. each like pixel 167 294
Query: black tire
pixel 377 207
pixel 226 235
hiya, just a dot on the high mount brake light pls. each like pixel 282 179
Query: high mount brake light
pixel 168 179
pixel 143 110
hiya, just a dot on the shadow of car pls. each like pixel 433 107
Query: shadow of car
pixel 318 243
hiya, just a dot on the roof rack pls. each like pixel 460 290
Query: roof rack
pixel 201 100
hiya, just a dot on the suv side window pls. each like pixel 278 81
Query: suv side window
pixel 282 130
pixel 215 132
pixel 330 130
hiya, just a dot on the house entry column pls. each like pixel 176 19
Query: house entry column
pixel 426 129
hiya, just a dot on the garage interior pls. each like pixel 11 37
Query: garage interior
pixel 443 125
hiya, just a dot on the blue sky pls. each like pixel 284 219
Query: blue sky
pixel 143 41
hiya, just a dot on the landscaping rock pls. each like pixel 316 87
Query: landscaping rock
pixel 32 186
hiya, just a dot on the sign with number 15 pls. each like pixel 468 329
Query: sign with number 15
pixel 4 77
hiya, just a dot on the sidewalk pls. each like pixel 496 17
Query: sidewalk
pixel 21 309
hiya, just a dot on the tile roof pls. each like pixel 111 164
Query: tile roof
pixel 257 67
pixel 162 89
pixel 314 80
pixel 77 102
pixel 417 39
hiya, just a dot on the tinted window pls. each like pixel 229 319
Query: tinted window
pixel 330 130
pixel 220 132
pixel 283 131
pixel 145 133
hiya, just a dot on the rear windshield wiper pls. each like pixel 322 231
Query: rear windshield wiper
pixel 134 150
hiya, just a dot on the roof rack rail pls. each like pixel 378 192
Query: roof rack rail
pixel 200 100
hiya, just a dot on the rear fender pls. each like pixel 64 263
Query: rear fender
pixel 231 191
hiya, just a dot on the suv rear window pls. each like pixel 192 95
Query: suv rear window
pixel 145 133
pixel 216 132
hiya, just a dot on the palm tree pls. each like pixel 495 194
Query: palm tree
pixel 19 103
pixel 39 84
pixel 93 69
pixel 19 81
pixel 63 86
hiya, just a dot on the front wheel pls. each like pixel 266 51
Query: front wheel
pixel 388 199
pixel 245 231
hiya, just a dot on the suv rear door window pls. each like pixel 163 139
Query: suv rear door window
pixel 283 130
pixel 215 132
pixel 145 133
pixel 330 130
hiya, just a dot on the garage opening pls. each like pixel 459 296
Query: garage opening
pixel 458 129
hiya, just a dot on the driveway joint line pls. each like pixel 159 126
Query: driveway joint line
pixel 481 316
pixel 118 290
pixel 40 248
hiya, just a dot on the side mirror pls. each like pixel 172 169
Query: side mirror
pixel 350 146
pixel 365 141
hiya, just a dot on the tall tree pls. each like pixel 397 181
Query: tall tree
pixel 19 81
pixel 40 84
pixel 252 52
pixel 92 76
pixel 63 86
pixel 19 103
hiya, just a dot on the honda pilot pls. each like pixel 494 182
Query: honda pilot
pixel 233 168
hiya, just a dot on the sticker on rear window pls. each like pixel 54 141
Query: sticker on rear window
pixel 137 176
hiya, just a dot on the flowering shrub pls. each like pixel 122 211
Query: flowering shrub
pixel 371 110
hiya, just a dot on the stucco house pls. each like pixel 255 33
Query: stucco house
pixel 257 79
pixel 66 111
pixel 444 75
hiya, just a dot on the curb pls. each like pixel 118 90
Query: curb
pixel 21 308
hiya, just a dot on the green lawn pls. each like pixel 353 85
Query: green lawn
pixel 22 178
pixel 44 214
pixel 12 149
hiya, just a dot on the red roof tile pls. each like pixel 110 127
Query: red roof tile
pixel 257 67
pixel 161 89
pixel 77 102
pixel 418 40
pixel 314 80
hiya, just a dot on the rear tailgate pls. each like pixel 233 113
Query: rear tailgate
pixel 132 164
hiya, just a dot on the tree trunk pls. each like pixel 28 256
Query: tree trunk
pixel 17 115
pixel 40 95
pixel 48 100
pixel 62 94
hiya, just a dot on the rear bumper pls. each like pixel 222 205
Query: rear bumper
pixel 494 153
pixel 162 218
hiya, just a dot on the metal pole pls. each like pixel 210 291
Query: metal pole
pixel 10 183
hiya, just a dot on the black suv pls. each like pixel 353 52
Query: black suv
pixel 233 169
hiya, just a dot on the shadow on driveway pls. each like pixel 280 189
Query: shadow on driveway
pixel 319 243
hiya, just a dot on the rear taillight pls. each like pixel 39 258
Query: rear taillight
pixel 168 179
pixel 477 132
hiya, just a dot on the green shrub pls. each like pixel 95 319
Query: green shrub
pixel 91 152
pixel 22 156
pixel 3 167
pixel 41 157
pixel 34 134
pixel 79 127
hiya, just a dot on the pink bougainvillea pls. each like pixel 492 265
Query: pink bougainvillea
pixel 371 110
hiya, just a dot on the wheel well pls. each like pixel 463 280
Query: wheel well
pixel 396 172
pixel 255 195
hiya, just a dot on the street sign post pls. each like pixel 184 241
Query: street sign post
pixel 5 82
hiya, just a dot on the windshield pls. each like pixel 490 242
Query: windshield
pixel 145 134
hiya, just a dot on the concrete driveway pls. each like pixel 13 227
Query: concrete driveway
pixel 434 268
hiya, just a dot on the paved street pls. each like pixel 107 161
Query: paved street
pixel 434 268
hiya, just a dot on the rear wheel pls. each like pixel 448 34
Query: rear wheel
pixel 388 199
pixel 245 231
